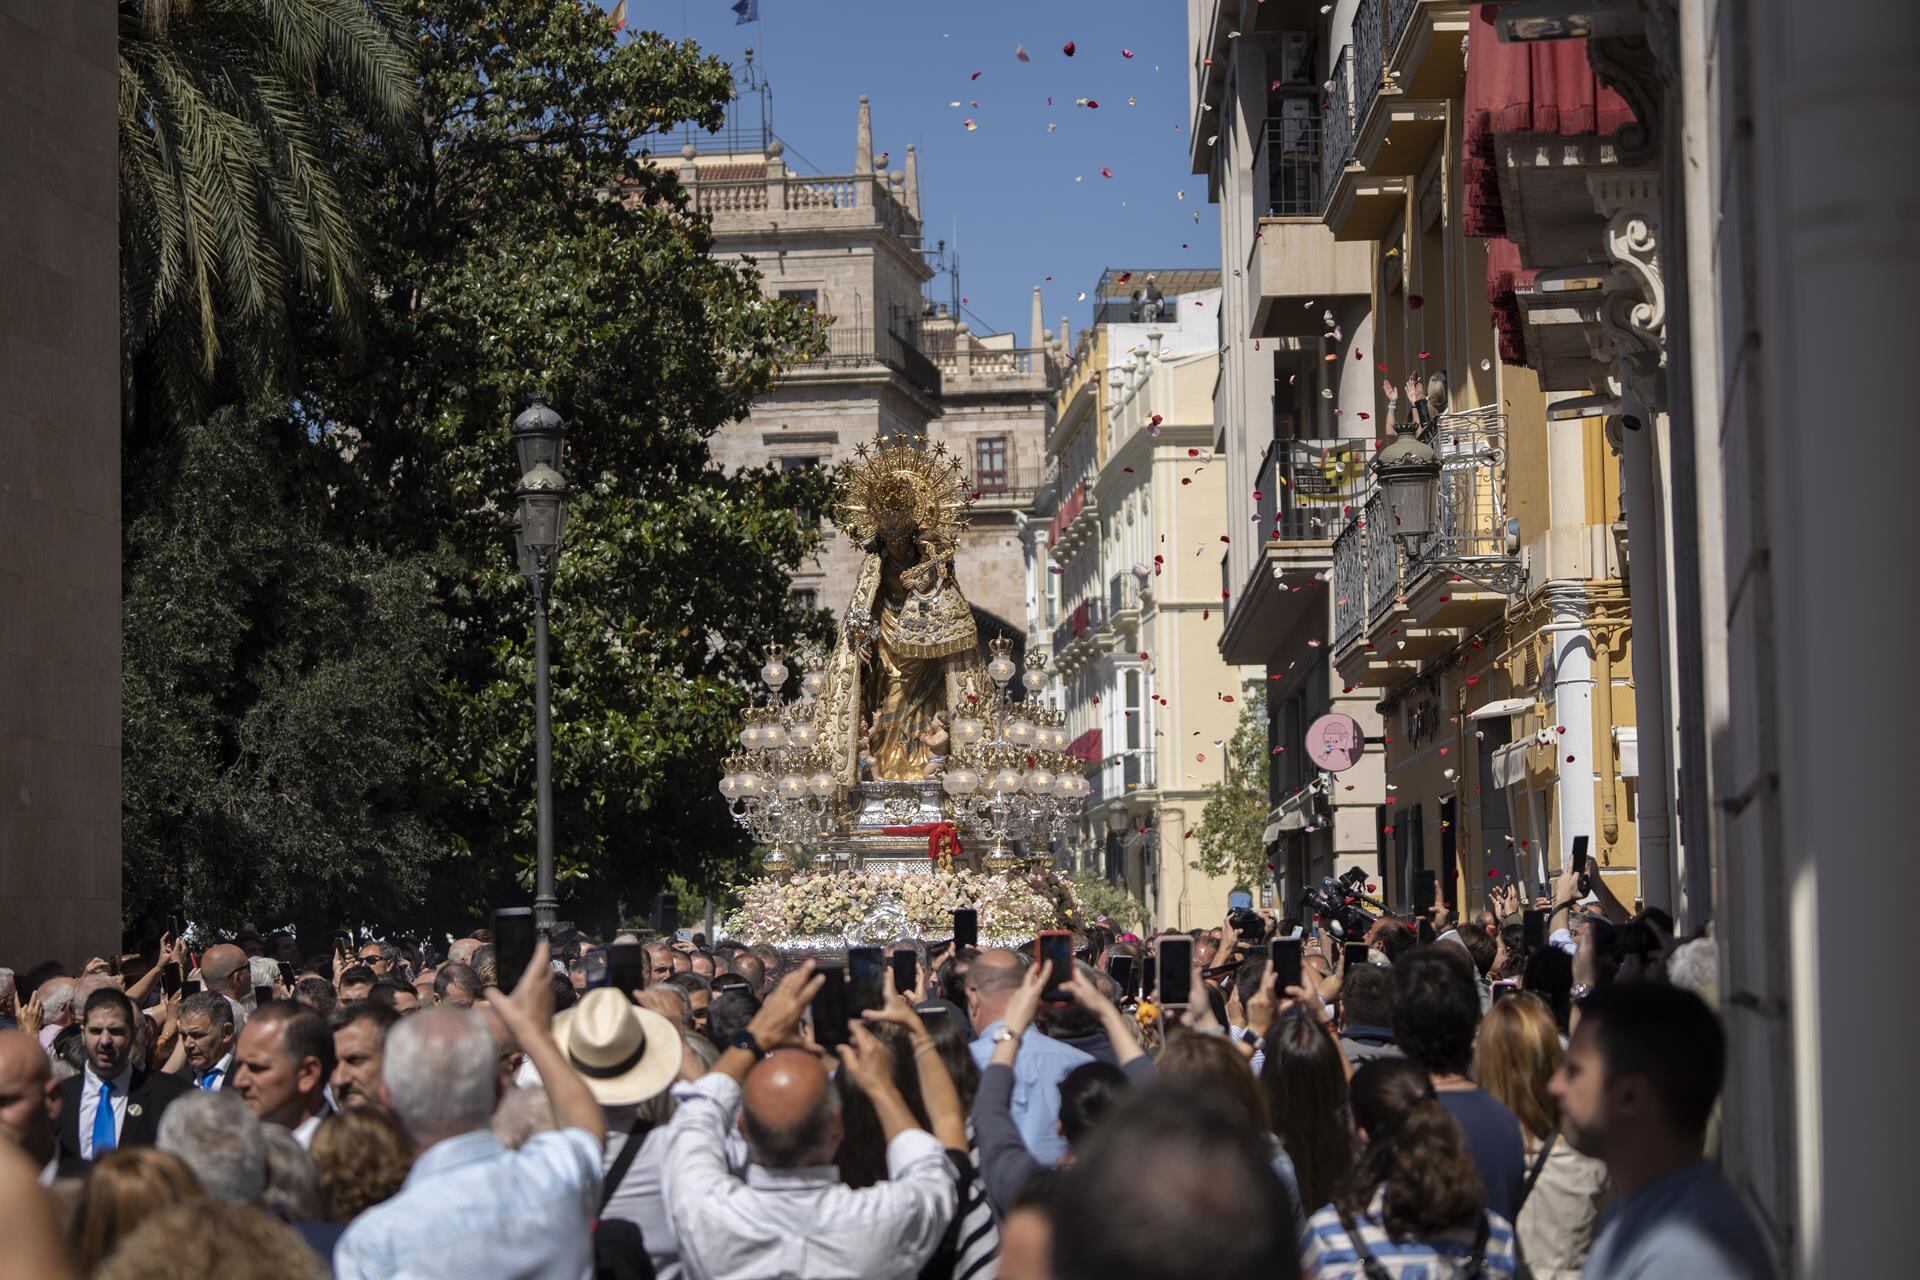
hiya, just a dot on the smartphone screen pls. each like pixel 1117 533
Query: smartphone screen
pixel 1120 969
pixel 1425 931
pixel 829 1008
pixel 599 972
pixel 512 945
pixel 170 979
pixel 1533 930
pixel 286 973
pixel 1353 955
pixel 627 967
pixel 866 981
pixel 966 927
pixel 1176 970
pixel 262 995
pixel 1578 858
pixel 1055 947
pixel 1426 891
pixel 1149 974
pixel 906 972
pixel 191 986
pixel 1286 964
pixel 1504 987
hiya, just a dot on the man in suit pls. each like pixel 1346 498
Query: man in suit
pixel 281 1065
pixel 207 1036
pixel 112 1103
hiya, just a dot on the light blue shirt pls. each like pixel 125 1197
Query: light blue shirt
pixel 1689 1223
pixel 1037 1071
pixel 473 1210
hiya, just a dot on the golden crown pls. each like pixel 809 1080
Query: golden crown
pixel 898 475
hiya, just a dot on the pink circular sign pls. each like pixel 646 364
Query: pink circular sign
pixel 1335 743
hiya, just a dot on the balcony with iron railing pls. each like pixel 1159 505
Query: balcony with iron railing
pixel 1295 255
pixel 1459 575
pixel 861 346
pixel 1308 489
pixel 1336 113
pixel 1123 773
pixel 1123 599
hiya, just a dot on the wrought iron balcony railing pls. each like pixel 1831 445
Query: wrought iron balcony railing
pixel 1123 593
pixel 1289 150
pixel 1349 584
pixel 1336 124
pixel 1370 55
pixel 1310 488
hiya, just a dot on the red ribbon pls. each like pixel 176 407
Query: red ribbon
pixel 943 840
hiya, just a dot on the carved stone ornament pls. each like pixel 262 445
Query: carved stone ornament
pixel 1633 311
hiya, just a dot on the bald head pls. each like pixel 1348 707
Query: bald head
pixel 992 979
pixel 224 969
pixel 790 1112
pixel 29 1098
pixel 462 949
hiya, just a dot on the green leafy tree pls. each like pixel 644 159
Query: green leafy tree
pixel 278 682
pixel 1100 897
pixel 1235 816
pixel 524 243
pixel 236 202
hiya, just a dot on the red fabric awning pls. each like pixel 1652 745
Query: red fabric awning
pixel 1504 276
pixel 1545 86
pixel 1086 747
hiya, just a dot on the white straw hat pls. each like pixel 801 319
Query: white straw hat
pixel 626 1054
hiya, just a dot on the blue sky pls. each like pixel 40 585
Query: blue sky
pixel 1005 193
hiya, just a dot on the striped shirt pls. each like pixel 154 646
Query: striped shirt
pixel 1327 1253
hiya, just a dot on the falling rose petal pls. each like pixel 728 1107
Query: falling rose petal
pixel 1358 354
pixel 1226 698
pixel 1201 757
pixel 1067 48
pixel 975 76
pixel 1415 301
pixel 1204 613
pixel 1092 105
pixel 1363 416
pixel 1020 52
pixel 1383 368
pixel 1054 568
pixel 1424 354
pixel 1485 364
pixel 1105 172
pixel 1126 53
pixel 971 126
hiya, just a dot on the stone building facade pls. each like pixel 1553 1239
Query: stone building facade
pixel 850 245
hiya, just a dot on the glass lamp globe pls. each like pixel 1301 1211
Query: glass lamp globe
pixel 1002 670
pixel 1034 678
pixel 793 786
pixel 750 784
pixel 1006 781
pixel 961 781
pixel 774 673
pixel 773 736
pixel 821 784
pixel 803 735
pixel 750 735
pixel 730 786
pixel 1039 781
pixel 967 730
pixel 814 683
pixel 1021 731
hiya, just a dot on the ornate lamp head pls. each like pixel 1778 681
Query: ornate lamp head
pixel 896 482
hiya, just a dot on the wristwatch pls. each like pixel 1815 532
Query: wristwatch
pixel 743 1039
pixel 1581 990
pixel 1003 1035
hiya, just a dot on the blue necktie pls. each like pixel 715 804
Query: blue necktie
pixel 103 1139
pixel 211 1080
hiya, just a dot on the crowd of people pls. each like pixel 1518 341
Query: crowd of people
pixel 1451 1102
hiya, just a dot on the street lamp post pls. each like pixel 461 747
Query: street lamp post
pixel 539 442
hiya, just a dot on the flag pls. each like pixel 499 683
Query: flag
pixel 747 11
pixel 619 16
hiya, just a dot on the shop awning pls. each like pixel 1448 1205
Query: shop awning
pixel 1504 707
pixel 1626 740
pixel 1510 764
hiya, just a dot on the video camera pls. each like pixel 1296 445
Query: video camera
pixel 1341 905
pixel 1249 924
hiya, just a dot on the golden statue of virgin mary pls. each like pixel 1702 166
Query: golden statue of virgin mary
pixel 907 656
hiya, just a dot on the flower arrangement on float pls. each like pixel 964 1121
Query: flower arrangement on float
pixel 818 910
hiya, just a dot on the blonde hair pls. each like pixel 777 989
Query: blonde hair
pixel 124 1189
pixel 364 1157
pixel 1515 1055
pixel 213 1237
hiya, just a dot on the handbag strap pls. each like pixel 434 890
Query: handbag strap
pixel 1370 1266
pixel 629 1151
pixel 1539 1165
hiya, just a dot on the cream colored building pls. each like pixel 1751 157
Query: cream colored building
pixel 1125 561
pixel 852 245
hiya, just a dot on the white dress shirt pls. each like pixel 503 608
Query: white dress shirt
pixel 800 1223
pixel 304 1131
pixel 641 1196
pixel 224 1068
pixel 50 1171
pixel 90 1106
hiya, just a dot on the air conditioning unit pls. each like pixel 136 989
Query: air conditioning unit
pixel 1296 58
